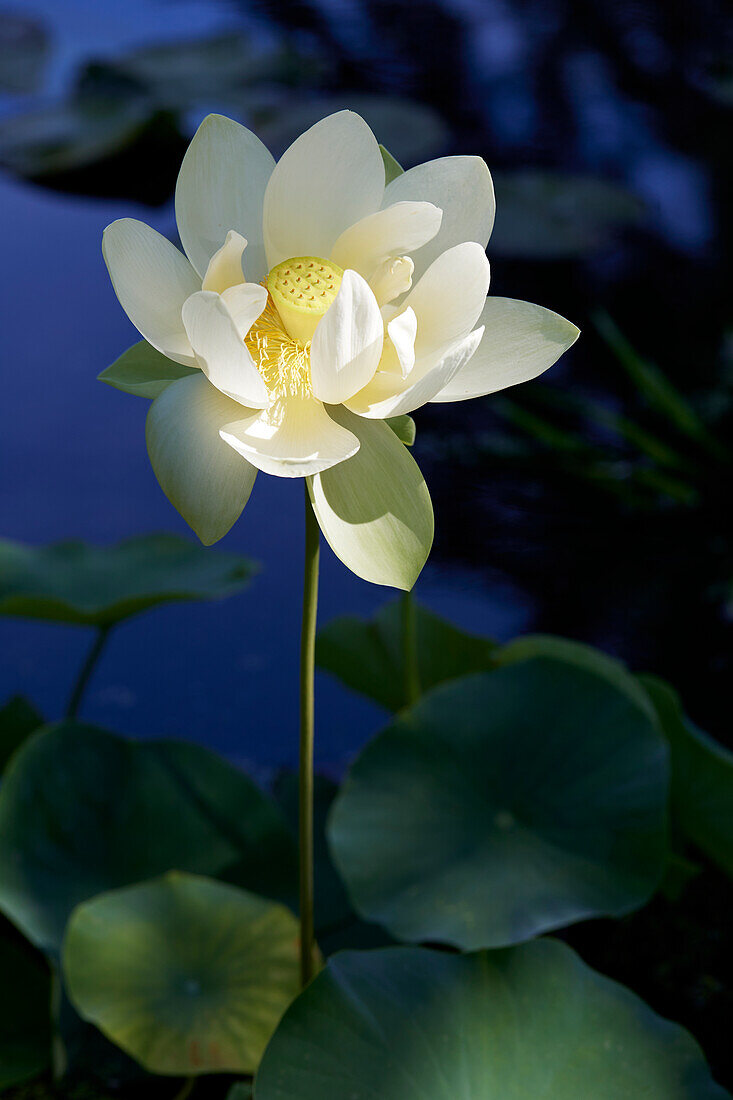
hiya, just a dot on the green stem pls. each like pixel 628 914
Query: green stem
pixel 86 671
pixel 58 1050
pixel 186 1089
pixel 307 671
pixel 409 650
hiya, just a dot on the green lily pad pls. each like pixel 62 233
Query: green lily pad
pixel 526 1022
pixel 368 655
pixel 18 720
pixel 702 777
pixel 83 811
pixel 185 974
pixel 100 585
pixel 143 371
pixel 504 805
pixel 69 136
pixel 552 215
pixel 25 1030
pixel 580 655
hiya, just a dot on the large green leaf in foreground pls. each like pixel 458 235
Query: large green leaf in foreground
pixel 83 811
pixel 99 585
pixel 185 974
pixel 503 805
pixel 520 1024
pixel 368 655
pixel 702 777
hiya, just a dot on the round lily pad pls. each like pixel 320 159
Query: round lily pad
pixel 185 974
pixel 100 585
pixel 503 805
pixel 83 811
pixel 530 1021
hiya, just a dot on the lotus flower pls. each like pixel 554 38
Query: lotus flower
pixel 315 301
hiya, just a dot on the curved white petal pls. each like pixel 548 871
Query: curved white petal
pixel 203 478
pixel 399 228
pixel 520 341
pixel 295 438
pixel 152 280
pixel 462 188
pixel 376 403
pixel 331 177
pixel 347 344
pixel 225 266
pixel 402 331
pixel 448 300
pixel 221 186
pixel 220 349
pixel 391 279
pixel 374 510
pixel 244 303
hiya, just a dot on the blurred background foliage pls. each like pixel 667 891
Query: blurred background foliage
pixel 592 504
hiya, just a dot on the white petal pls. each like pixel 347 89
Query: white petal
pixel 225 266
pixel 221 186
pixel 203 478
pixel 399 228
pixel 402 331
pixel 520 341
pixel 374 510
pixel 152 280
pixel 347 344
pixel 376 403
pixel 392 278
pixel 462 188
pixel 296 438
pixel 244 304
pixel 329 178
pixel 220 350
pixel 448 300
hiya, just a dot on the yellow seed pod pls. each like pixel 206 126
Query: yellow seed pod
pixel 302 289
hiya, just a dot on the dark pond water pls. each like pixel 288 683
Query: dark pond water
pixel 631 93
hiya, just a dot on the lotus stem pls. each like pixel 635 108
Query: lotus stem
pixel 307 673
pixel 86 670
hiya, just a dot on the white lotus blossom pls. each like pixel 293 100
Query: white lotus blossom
pixel 314 303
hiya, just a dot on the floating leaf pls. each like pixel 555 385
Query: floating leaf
pixel 404 428
pixel 504 805
pixel 143 371
pixel 83 811
pixel 25 1031
pixel 100 585
pixel 66 137
pixel 702 777
pixel 185 974
pixel 369 655
pixel 526 1022
pixel 18 720
pixel 579 654
pixel 550 215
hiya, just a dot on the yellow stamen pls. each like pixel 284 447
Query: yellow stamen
pixel 283 362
